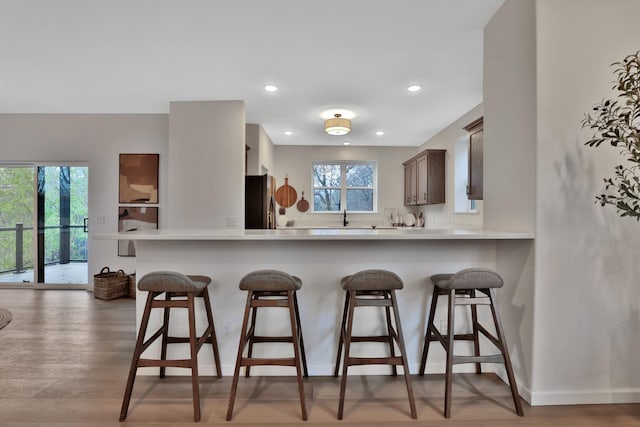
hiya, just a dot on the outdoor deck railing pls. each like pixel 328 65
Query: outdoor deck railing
pixel 77 245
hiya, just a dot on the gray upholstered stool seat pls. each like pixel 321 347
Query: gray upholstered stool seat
pixel 179 291
pixel 469 278
pixel 469 287
pixel 270 281
pixel 169 281
pixel 373 288
pixel 270 288
pixel 372 280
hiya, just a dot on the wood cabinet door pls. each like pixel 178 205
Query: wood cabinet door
pixel 422 166
pixel 435 177
pixel 410 184
pixel 474 189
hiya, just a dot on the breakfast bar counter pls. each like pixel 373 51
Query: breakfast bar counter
pixel 321 233
pixel 321 257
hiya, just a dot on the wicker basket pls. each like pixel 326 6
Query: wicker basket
pixel 132 285
pixel 108 285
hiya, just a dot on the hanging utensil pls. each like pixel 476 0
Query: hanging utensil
pixel 303 205
pixel 286 195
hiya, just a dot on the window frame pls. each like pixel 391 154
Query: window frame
pixel 343 185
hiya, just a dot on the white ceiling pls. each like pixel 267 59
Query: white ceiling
pixel 135 56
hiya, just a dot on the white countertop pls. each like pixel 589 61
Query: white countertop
pixel 405 233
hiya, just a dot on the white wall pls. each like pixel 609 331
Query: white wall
pixel 260 155
pixel 95 139
pixel 510 118
pixel 442 216
pixel 206 164
pixel 509 171
pixel 296 162
pixel 587 291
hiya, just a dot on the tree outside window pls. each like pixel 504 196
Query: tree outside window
pixel 344 185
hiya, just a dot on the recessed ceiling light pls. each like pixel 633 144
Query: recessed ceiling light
pixel 271 88
pixel 380 133
pixel 288 132
pixel 346 143
pixel 414 88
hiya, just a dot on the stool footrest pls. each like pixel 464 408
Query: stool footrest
pixel 261 339
pixel 270 303
pixel 361 302
pixel 257 361
pixel 457 337
pixel 351 361
pixel 494 358
pixel 176 363
pixel 181 303
pixel 373 338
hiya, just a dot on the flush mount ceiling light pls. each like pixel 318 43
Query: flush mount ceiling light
pixel 271 88
pixel 414 88
pixel 337 125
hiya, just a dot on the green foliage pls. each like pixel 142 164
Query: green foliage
pixel 16 206
pixel 17 195
pixel 617 123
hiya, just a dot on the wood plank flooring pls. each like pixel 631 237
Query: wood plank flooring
pixel 64 362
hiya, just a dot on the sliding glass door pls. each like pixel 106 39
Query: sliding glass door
pixel 16 224
pixel 55 208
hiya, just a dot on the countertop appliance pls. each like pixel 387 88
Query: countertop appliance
pixel 259 202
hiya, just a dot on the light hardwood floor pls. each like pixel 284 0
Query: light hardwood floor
pixel 64 362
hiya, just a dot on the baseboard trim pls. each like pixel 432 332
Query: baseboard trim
pixel 585 397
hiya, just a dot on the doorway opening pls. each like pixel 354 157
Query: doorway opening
pixel 43 225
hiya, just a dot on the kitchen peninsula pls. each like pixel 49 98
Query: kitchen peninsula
pixel 321 257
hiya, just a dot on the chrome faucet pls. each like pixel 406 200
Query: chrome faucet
pixel 344 221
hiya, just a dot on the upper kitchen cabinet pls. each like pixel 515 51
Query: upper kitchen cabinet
pixel 424 176
pixel 474 187
pixel 410 180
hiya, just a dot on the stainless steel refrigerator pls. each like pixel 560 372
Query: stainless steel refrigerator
pixel 259 202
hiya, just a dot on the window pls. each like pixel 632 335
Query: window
pixel 340 185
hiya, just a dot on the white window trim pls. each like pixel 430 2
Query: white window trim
pixel 343 184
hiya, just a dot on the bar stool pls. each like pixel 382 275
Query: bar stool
pixel 180 292
pixel 372 288
pixel 462 288
pixel 270 288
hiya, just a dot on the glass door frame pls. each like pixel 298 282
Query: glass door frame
pixel 39 227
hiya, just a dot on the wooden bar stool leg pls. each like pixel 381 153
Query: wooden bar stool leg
pixel 296 351
pixel 342 331
pixel 429 333
pixel 347 347
pixel 241 345
pixel 165 334
pixel 302 352
pixel 476 337
pixel 392 348
pixel 195 387
pixel 136 356
pixel 403 351
pixel 505 354
pixel 213 338
pixel 251 334
pixel 450 341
